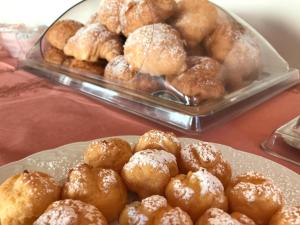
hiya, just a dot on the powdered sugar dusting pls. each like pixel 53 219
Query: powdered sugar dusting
pixel 182 192
pixel 135 217
pixel 154 203
pixel 157 159
pixel 108 178
pixel 208 182
pixel 175 217
pixel 67 212
pixel 219 217
pixel 292 215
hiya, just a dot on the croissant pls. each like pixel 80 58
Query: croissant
pixel 92 42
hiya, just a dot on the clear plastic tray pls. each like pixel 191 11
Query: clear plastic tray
pixel 167 105
pixel 284 142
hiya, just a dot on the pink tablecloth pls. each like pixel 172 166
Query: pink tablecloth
pixel 36 115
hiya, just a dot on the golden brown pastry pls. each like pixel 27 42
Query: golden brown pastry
pixel 93 42
pixel 90 67
pixel 119 70
pixel 146 83
pixel 156 139
pixel 102 188
pixel 60 32
pixel 135 14
pixel 54 55
pixel 196 192
pixel 237 50
pixel 242 218
pixel 111 153
pixel 195 19
pixel 172 216
pixel 215 216
pixel 156 50
pixel 286 216
pixel 71 212
pixel 25 196
pixel 255 196
pixel 142 213
pixel 203 81
pixel 198 155
pixel 109 14
pixel 149 171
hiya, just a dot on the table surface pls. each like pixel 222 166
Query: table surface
pixel 37 115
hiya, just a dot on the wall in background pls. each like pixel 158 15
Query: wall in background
pixel 277 20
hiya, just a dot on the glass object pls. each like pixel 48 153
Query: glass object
pixel 284 142
pixel 168 104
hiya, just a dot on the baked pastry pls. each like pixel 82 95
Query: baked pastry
pixel 149 171
pixel 196 192
pixel 100 187
pixel 172 216
pixel 142 213
pixel 215 216
pixel 119 70
pixel 93 42
pixel 286 216
pixel 109 14
pixel 202 81
pixel 237 50
pixel 198 155
pixel 135 14
pixel 60 32
pixel 255 196
pixel 156 50
pixel 25 196
pixel 242 218
pixel 111 153
pixel 156 139
pixel 90 67
pixel 54 55
pixel 195 19
pixel 71 212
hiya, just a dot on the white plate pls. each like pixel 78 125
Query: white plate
pixel 58 161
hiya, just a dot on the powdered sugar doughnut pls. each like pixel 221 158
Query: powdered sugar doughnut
pixel 25 196
pixel 242 218
pixel 203 154
pixel 287 216
pixel 215 216
pixel 71 212
pixel 102 188
pixel 155 139
pixel 156 50
pixel 255 196
pixel 196 192
pixel 149 171
pixel 143 212
pixel 172 216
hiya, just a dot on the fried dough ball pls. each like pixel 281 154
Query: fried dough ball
pixel 156 50
pixel 195 19
pixel 255 196
pixel 90 67
pixel 60 32
pixel 201 81
pixel 54 55
pixel 100 187
pixel 93 42
pixel 156 139
pixel 242 218
pixel 172 216
pixel 196 192
pixel 198 155
pixel 25 196
pixel 71 212
pixel 231 45
pixel 108 14
pixel 286 216
pixel 149 171
pixel 138 13
pixel 215 216
pixel 142 213
pixel 111 153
